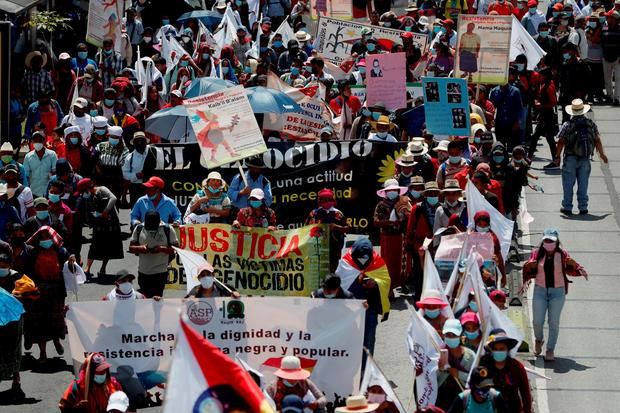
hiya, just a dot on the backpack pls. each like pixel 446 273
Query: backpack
pixel 467 394
pixel 14 201
pixel 580 137
pixel 166 232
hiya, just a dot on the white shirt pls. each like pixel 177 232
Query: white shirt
pixel 85 124
pixel 133 164
pixel 451 40
pixel 25 200
pixel 388 138
pixel 578 38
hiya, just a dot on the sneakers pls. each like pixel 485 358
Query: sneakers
pixel 566 211
pixel 583 212
pixel 549 356
pixel 551 165
pixel 538 347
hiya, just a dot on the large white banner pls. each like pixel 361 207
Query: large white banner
pixel 139 335
pixel 335 38
pixel 104 21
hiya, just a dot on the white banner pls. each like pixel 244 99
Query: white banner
pixel 104 21
pixel 139 335
pixel 423 344
pixel 335 38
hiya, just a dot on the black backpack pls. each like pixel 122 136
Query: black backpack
pixel 580 137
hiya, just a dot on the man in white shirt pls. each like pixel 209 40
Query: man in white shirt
pixel 80 118
pixel 382 135
pixel 142 158
pixel 578 37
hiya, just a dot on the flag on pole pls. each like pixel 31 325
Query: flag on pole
pixel 423 344
pixel 373 376
pixel 202 376
pixel 191 262
pixel 433 282
pixel 521 42
pixel 254 51
pixel 286 31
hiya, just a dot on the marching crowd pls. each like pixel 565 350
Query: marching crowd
pixel 78 154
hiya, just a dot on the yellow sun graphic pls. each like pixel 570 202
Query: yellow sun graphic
pixel 387 170
pixel 351 33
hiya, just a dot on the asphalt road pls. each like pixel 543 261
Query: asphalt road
pixel 584 376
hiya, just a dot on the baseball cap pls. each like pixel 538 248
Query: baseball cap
pixel 80 103
pixel 84 184
pixel 99 363
pixel 497 294
pixel 40 201
pixel 11 168
pixel 551 234
pixel 155 182
pixel 100 122
pixel 176 93
pixel 72 129
pixel 257 193
pixel 452 326
pixel 118 401
pixel 123 274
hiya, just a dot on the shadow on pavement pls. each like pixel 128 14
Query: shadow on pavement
pixel 563 365
pixel 7 399
pixel 51 366
pixel 587 217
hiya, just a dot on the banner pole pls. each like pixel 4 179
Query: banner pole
pixel 242 174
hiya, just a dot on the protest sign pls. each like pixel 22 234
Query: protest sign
pixel 139 335
pixel 335 38
pixel 446 106
pixel 414 89
pixel 225 126
pixel 385 80
pixel 449 249
pixel 338 9
pixel 355 170
pixel 483 48
pixel 255 261
pixel 104 22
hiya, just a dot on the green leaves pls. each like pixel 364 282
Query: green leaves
pixel 49 21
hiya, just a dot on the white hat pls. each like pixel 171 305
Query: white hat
pixel 221 4
pixel 577 107
pixel 213 175
pixel 257 193
pixel 290 369
pixel 391 185
pixel 443 146
pixel 6 147
pixel 423 21
pixel 453 326
pixel 115 131
pixel 72 129
pixel 100 122
pixel 302 36
pixel 80 103
pixel 417 148
pixel 118 401
pixel 176 93
pixel 357 404
pixel 64 56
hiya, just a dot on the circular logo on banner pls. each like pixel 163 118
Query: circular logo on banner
pixel 222 398
pixel 200 312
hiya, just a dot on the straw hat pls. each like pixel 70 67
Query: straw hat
pixel 431 186
pixel 391 185
pixel 452 185
pixel 442 146
pixel 417 148
pixel 290 369
pixel 577 107
pixel 33 54
pixel 405 159
pixel 213 175
pixel 302 36
pixel 383 120
pixel 357 404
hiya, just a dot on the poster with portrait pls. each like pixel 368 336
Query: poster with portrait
pixel 225 126
pixel 338 9
pixel 386 81
pixel 483 48
pixel 104 22
pixel 446 105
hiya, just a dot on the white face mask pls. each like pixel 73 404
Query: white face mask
pixel 207 282
pixel 376 398
pixel 125 287
pixel 99 378
pixel 363 259
pixel 482 229
pixel 38 146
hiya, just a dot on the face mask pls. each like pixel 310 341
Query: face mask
pixel 165 22
pixel 483 394
pixel 6 158
pixel 225 70
pixel 113 141
pixel 566 56
pixel 473 306
pixel 415 194
pixel 207 282
pixel 432 200
pixel 295 71
pixel 86 195
pixel 263 49
pixel 436 29
pixel 376 398
pixel 256 203
pixel 371 47
pixel 455 159
pixel 82 55
pixel 452 342
pixel 382 135
pixel 54 198
pixel 74 141
pixel 108 52
pixel 387 24
pixel 43 214
pixel 330 295
pixel 543 34
pixel 392 195
pixel 153 197
pixel 472 335
pixel 363 260
pixel 602 20
pixel 555 14
pixel 206 56
pixel 375 115
pixel 214 190
pixel 408 28
pixel 432 314
pixel 38 146
pixel 500 355
pixel 99 378
pixel 238 3
pixel 46 243
pixel 520 67
pixel 498 158
pixel 99 132
pixel 288 383
pixel 532 10
pixel 109 102
pixel 308 69
pixel 452 203
pixel 592 24
pixel 125 287
pixel 482 229
pixel 549 246
pixel 184 63
pixel 186 39
pixel 277 43
pixel 564 22
pixel 4 272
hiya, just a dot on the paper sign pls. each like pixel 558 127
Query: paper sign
pixel 446 106
pixel 386 80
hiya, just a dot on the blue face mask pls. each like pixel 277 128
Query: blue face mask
pixel 432 200
pixel 288 383
pixel 566 56
pixel 82 55
pixel 74 141
pixel 436 29
pixel 415 194
pixel 455 159
pixel 432 314
pixel 113 141
pixel 109 102
pixel 86 195
pixel 391 195
pixel 452 342
pixel 238 3
pixel 100 132
pixel 184 63
pixel 295 71
pixel 108 52
pixel 482 229
pixel 46 243
pixel 472 335
pixel 55 198
pixel 520 67
pixel 500 355
pixel 375 115
pixel 153 197
pixel 473 306
pixel 308 69
pixel 476 140
pixel 4 272
pixel 366 112
pixel 165 22
pixel 498 158
pixel 371 47
pixel 247 69
pixel 555 14
pixel 256 203
pixel 532 10
pixel 206 56
pixel 543 34
pixel 277 43
pixel 93 112
pixel 213 190
pixel 43 214
pixel 362 70
pixel 408 28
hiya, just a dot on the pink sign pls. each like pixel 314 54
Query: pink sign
pixel 386 81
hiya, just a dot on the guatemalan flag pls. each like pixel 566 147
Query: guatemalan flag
pixel 203 379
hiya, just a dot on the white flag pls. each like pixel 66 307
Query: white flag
pixel 254 51
pixel 433 282
pixel 521 42
pixel 500 225
pixel 191 262
pixel 286 31
pixel 373 376
pixel 423 344
pixel 227 32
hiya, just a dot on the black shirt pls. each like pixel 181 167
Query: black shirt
pixel 549 276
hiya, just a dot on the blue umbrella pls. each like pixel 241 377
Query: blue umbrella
pixel 265 100
pixel 172 124
pixel 10 308
pixel 207 17
pixel 204 85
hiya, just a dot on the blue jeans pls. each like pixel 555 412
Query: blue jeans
pixel 548 301
pixel 575 169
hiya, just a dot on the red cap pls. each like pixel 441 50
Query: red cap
pixel 496 294
pixel 99 363
pixel 532 3
pixel 84 184
pixel 326 193
pixel 447 22
pixel 469 317
pixel 406 35
pixel 558 7
pixel 155 182
pixel 482 215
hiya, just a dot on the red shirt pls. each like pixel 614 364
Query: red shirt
pixel 503 9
